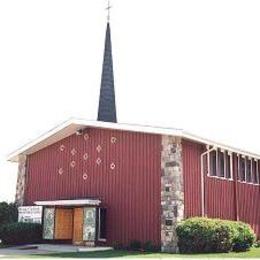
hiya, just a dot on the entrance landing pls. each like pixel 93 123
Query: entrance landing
pixel 48 249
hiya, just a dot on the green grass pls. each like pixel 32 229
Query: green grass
pixel 253 253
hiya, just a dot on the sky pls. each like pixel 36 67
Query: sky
pixel 186 64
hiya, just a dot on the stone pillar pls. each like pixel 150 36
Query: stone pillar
pixel 172 192
pixel 20 185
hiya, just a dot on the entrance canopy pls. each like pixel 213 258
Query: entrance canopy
pixel 79 202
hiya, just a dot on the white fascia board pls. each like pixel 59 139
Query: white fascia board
pixel 14 157
pixel 206 141
pixel 79 202
pixel 71 126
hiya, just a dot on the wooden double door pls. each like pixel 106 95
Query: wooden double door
pixel 69 224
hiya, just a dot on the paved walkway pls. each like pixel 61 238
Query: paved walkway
pixel 47 249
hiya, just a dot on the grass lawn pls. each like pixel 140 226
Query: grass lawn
pixel 253 253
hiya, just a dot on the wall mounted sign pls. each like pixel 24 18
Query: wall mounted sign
pixel 31 214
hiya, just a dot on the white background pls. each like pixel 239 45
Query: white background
pixel 185 64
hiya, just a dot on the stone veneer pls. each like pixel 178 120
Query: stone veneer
pixel 172 194
pixel 20 185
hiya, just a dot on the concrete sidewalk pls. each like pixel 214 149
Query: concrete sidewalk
pixel 47 249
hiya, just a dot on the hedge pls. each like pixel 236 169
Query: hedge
pixel 204 235
pixel 8 213
pixel 20 233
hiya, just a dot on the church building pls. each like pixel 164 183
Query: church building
pixel 105 183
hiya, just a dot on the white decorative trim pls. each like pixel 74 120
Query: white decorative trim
pixel 73 125
pixel 68 202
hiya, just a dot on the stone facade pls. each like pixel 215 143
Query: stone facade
pixel 20 185
pixel 172 193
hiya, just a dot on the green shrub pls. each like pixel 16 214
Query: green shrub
pixel 117 245
pixel 8 213
pixel 204 235
pixel 135 245
pixel 21 233
pixel 148 246
pixel 257 244
pixel 244 236
pixel 199 235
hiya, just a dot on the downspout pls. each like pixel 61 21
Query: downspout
pixel 203 180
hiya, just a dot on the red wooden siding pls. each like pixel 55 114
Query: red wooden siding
pixel 223 198
pixel 192 182
pixel 131 192
pixel 220 202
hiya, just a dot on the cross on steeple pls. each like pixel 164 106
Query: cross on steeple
pixel 108 10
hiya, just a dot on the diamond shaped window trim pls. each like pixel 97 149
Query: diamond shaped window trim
pixel 113 140
pixel 99 148
pixel 85 156
pixel 62 147
pixel 72 164
pixel 73 151
pixel 112 166
pixel 60 171
pixel 85 176
pixel 98 161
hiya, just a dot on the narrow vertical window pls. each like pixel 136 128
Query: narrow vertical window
pixel 221 164
pixel 258 172
pixel 228 161
pixel 242 168
pixel 254 171
pixel 213 163
pixel 248 170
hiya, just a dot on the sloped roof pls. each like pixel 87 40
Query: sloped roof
pixel 73 125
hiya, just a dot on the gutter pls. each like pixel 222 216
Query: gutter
pixel 203 179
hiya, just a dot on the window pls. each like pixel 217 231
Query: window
pixel 254 171
pixel 221 164
pixel 258 172
pixel 102 229
pixel 213 163
pixel 242 168
pixel 248 170
pixel 228 165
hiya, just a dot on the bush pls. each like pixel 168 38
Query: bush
pixel 8 213
pixel 117 245
pixel 202 235
pixel 148 246
pixel 135 245
pixel 21 233
pixel 199 235
pixel 244 236
pixel 257 244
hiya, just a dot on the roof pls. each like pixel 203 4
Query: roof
pixel 73 125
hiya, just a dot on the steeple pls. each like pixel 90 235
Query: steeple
pixel 107 104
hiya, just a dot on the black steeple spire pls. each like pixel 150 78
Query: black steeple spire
pixel 107 104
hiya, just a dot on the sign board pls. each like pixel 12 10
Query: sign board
pixel 31 214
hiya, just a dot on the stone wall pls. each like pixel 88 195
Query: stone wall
pixel 172 193
pixel 20 185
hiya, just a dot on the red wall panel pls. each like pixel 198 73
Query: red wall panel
pixel 192 181
pixel 220 198
pixel 131 192
pixel 248 205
